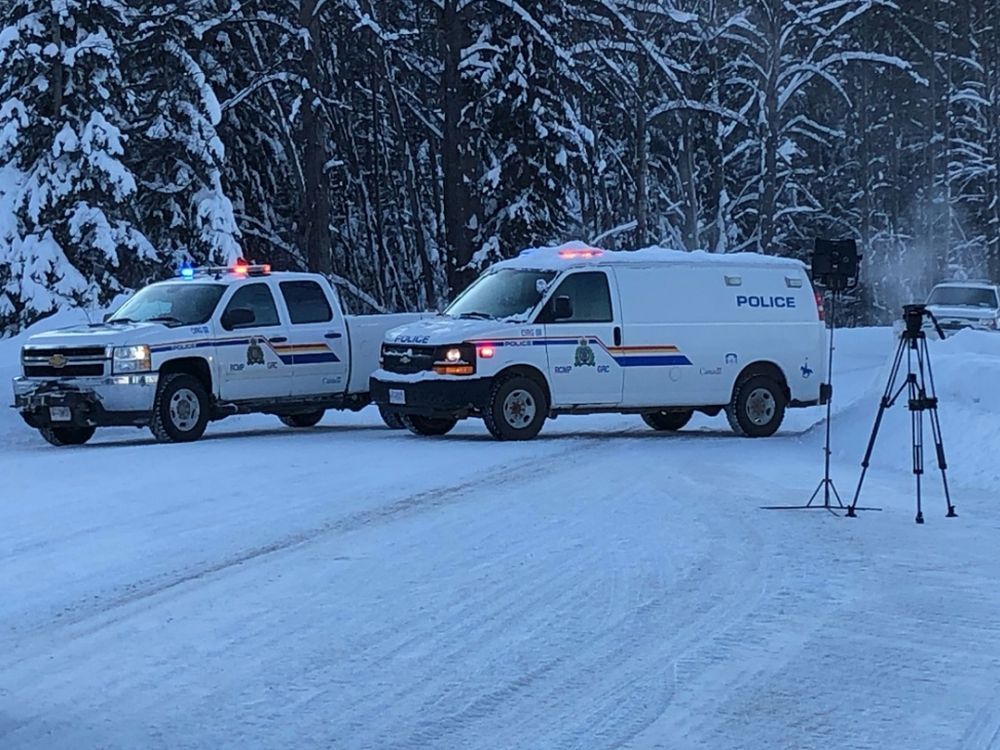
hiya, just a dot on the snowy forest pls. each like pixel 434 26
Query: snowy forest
pixel 401 146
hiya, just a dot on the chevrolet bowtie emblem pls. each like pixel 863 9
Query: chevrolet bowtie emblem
pixel 58 361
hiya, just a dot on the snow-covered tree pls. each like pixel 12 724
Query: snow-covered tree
pixel 64 115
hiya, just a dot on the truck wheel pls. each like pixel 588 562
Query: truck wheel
pixel 758 406
pixel 428 426
pixel 668 421
pixel 517 410
pixel 60 436
pixel 392 420
pixel 181 409
pixel 308 419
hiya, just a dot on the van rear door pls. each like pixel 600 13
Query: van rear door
pixel 582 368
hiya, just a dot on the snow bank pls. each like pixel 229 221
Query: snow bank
pixel 966 370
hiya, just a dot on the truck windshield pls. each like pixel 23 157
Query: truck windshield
pixel 180 304
pixel 507 293
pixel 962 296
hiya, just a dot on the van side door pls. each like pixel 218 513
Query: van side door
pixel 580 345
pixel 249 367
pixel 317 340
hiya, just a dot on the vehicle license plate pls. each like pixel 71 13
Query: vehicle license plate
pixel 60 414
pixel 397 396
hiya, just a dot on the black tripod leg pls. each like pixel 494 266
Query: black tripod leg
pixel 917 430
pixel 936 433
pixel 887 399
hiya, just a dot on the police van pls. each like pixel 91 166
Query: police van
pixel 576 330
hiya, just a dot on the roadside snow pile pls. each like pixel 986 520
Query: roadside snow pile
pixel 966 371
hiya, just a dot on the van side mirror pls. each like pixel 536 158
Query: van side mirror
pixel 239 317
pixel 107 317
pixel 562 308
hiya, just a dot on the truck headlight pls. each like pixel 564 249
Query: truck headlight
pixel 131 359
pixel 455 360
pixel 988 323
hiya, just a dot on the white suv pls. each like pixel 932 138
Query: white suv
pixel 965 304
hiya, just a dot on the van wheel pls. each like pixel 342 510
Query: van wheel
pixel 307 419
pixel 428 426
pixel 517 409
pixel 60 436
pixel 668 421
pixel 181 409
pixel 758 406
pixel 392 420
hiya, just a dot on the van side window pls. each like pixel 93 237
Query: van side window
pixel 590 295
pixel 306 302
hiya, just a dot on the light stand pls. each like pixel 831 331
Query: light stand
pixel 826 485
pixel 922 396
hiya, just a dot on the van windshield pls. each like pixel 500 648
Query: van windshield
pixel 507 293
pixel 962 296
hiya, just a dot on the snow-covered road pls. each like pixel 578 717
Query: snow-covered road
pixel 601 587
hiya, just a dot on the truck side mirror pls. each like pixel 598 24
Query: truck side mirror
pixel 238 317
pixel 107 317
pixel 562 308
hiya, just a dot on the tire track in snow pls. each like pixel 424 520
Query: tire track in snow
pixel 101 606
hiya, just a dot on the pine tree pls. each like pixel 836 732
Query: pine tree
pixel 65 112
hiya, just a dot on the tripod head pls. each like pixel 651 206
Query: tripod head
pixel 913 318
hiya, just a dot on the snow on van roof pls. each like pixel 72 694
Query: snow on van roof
pixel 580 253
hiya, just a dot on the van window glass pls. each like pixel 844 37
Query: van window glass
pixel 258 298
pixel 509 293
pixel 590 295
pixel 306 302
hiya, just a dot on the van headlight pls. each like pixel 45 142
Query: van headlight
pixel 131 359
pixel 455 360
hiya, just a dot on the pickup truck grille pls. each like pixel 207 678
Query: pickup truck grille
pixel 407 360
pixel 64 362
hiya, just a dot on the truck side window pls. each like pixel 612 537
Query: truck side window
pixel 590 295
pixel 258 298
pixel 306 302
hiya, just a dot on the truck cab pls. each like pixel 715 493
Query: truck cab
pixel 208 344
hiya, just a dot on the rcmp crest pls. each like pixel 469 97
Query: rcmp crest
pixel 255 354
pixel 584 355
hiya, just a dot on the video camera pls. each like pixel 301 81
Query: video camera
pixel 913 320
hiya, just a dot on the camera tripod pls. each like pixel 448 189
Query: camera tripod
pixel 921 397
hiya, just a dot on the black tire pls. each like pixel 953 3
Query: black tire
pixel 758 406
pixel 428 426
pixel 181 409
pixel 392 420
pixel 517 410
pixel 307 419
pixel 668 421
pixel 62 436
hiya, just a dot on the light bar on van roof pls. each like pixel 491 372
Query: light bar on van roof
pixel 574 254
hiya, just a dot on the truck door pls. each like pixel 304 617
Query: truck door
pixel 582 366
pixel 249 366
pixel 317 342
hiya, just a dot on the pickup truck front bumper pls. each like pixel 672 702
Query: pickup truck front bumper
pixel 450 398
pixel 114 401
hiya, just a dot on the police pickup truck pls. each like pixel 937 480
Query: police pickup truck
pixel 573 329
pixel 208 344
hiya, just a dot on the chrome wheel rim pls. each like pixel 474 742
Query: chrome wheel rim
pixel 519 409
pixel 761 407
pixel 185 409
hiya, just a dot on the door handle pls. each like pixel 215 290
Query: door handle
pixel 333 335
pixel 618 336
pixel 278 339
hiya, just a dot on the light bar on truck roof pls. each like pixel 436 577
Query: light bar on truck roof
pixel 239 268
